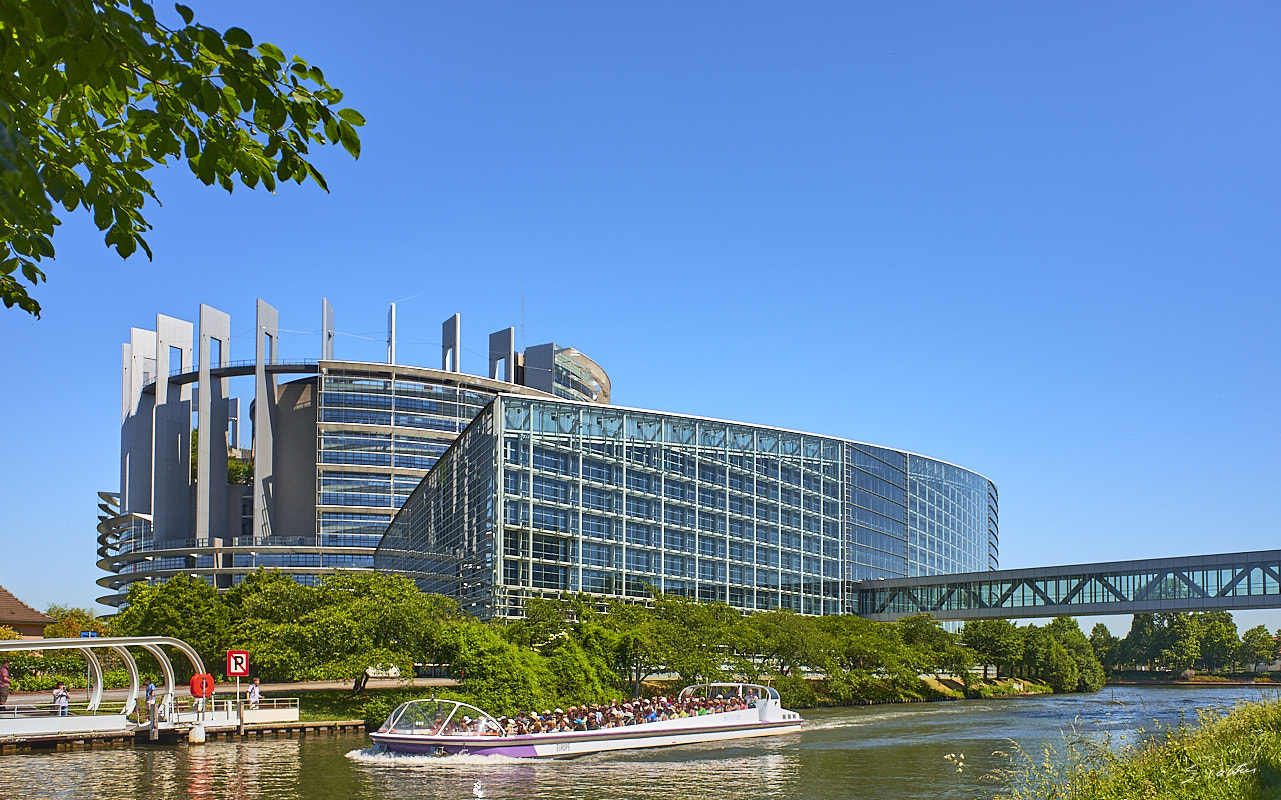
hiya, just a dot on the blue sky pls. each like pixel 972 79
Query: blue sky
pixel 1037 240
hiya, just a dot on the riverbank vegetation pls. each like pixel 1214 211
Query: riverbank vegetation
pixel 577 649
pixel 1236 756
pixel 1183 644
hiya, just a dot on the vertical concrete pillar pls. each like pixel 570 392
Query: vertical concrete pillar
pixel 171 432
pixel 264 413
pixel 540 367
pixel 326 330
pixel 233 422
pixel 502 349
pixel 211 419
pixel 139 369
pixel 451 337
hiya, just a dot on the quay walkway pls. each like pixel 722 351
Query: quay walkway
pixel 26 722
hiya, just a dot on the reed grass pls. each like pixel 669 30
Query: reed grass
pixel 1224 756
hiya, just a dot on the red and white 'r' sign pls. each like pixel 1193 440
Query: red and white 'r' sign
pixel 237 664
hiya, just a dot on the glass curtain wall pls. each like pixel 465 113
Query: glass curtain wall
pixel 444 536
pixel 622 503
pixel 950 514
pixel 377 437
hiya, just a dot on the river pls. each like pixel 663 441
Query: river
pixel 891 752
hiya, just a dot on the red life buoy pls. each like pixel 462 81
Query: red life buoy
pixel 202 685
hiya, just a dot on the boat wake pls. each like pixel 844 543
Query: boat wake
pixel 379 756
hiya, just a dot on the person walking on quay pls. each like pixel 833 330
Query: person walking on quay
pixel 151 699
pixel 255 694
pixel 60 699
pixel 4 685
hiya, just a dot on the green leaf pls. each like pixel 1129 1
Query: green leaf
pixel 238 37
pixel 271 51
pixel 352 115
pixel 185 13
pixel 210 99
pixel 350 141
pixel 317 177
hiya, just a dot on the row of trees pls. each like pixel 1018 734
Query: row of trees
pixel 1058 653
pixel 1179 641
pixel 575 648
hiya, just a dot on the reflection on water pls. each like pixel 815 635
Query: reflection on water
pixel 711 771
pixel 869 753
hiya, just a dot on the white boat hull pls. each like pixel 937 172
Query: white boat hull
pixel 690 730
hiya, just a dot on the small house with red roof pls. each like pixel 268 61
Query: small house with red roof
pixel 25 620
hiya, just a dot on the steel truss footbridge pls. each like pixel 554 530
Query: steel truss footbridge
pixel 1227 581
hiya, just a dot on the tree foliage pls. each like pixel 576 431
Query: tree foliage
pixel 1106 647
pixel 994 641
pixel 69 622
pixel 1180 641
pixel 96 92
pixel 183 607
pixel 1257 647
pixel 574 648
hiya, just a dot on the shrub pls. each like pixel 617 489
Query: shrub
pixel 796 692
pixel 45 683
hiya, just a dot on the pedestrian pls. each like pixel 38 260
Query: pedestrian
pixel 151 699
pixel 255 694
pixel 4 685
pixel 60 699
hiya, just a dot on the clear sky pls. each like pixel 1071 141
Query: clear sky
pixel 1038 240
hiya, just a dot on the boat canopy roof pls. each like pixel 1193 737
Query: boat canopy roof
pixel 434 717
pixel 747 691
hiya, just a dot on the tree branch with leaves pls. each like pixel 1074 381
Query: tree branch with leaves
pixel 93 93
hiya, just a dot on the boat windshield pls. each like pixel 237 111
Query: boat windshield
pixel 441 718
pixel 747 691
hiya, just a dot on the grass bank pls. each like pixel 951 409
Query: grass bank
pixel 1236 756
pixel 819 693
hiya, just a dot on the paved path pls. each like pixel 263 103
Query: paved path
pixel 277 689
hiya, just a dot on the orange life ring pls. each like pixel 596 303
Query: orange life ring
pixel 202 685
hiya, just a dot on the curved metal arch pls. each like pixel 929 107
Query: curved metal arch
pixel 95 699
pixel 152 644
pixel 135 683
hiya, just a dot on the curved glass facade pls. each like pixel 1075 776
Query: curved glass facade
pixel 540 497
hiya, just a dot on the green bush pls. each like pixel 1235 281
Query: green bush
pixel 796 692
pixel 45 683
pixel 118 679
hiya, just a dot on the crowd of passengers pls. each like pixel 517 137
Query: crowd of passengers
pixel 598 716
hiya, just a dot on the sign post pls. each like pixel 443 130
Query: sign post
pixel 238 667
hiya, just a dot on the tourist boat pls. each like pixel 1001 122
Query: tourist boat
pixel 448 727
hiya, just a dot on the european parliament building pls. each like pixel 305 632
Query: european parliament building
pixel 540 496
pixel 491 489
